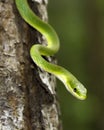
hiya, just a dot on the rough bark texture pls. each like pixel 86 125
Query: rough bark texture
pixel 27 93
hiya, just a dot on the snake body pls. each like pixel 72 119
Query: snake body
pixel 37 51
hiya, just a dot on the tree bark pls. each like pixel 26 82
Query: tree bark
pixel 27 93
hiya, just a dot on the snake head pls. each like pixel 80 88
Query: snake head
pixel 76 88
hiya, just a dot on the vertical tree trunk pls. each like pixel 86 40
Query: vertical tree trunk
pixel 27 93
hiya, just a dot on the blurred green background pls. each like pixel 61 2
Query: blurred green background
pixel 80 26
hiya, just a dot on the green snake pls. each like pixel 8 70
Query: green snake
pixel 37 51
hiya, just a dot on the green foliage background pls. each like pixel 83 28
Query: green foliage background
pixel 80 26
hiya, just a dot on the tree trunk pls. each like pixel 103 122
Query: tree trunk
pixel 27 93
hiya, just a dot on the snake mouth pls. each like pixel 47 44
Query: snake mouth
pixel 80 96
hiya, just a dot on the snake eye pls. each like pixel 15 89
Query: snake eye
pixel 74 89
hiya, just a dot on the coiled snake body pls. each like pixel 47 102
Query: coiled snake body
pixel 37 51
